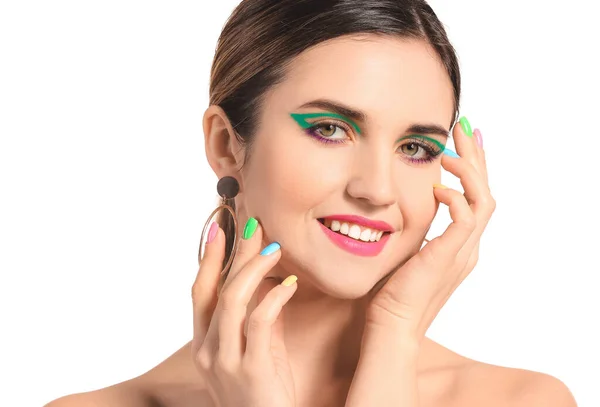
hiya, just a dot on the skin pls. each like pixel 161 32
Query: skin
pixel 339 347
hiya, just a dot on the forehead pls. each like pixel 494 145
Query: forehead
pixel 393 80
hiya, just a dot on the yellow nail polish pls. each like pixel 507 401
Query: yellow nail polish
pixel 440 186
pixel 289 280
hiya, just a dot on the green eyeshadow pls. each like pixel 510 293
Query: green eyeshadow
pixel 431 140
pixel 301 119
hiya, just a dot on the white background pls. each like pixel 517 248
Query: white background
pixel 105 188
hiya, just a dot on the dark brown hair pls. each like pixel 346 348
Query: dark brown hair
pixel 261 37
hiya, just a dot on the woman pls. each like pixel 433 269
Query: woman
pixel 327 125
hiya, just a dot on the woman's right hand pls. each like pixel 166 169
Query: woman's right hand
pixel 237 370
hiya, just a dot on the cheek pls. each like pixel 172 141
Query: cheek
pixel 287 176
pixel 417 201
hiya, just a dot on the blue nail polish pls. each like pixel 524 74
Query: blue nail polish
pixel 272 248
pixel 451 153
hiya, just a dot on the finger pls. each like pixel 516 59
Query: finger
pixel 233 302
pixel 477 191
pixel 481 153
pixel 263 288
pixel 466 145
pixel 458 232
pixel 204 289
pixel 265 324
pixel 249 244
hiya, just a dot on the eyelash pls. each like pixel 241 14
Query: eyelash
pixel 432 151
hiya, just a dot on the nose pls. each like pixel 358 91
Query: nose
pixel 372 178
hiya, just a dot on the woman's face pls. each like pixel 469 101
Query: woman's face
pixel 298 182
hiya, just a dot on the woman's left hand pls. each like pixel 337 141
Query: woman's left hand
pixel 403 309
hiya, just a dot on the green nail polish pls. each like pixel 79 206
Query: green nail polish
pixel 250 228
pixel 466 126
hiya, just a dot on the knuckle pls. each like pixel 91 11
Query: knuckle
pixel 229 299
pixel 469 223
pixel 489 203
pixel 458 199
pixel 257 321
pixel 242 250
pixel 429 258
pixel 204 359
pixel 472 262
pixel 225 365
pixel 455 195
pixel 492 204
pixel 247 369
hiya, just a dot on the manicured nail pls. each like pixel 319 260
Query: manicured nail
pixel 289 280
pixel 272 248
pixel 466 126
pixel 250 228
pixel 212 232
pixel 478 137
pixel 440 186
pixel 451 153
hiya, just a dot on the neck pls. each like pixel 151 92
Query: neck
pixel 323 334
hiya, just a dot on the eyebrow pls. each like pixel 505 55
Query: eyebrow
pixel 357 115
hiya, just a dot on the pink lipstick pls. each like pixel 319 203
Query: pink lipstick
pixel 356 246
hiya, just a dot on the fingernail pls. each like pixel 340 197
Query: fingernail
pixel 440 186
pixel 289 280
pixel 250 228
pixel 478 137
pixel 451 153
pixel 272 248
pixel 466 126
pixel 212 232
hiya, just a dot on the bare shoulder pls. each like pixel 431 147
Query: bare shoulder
pixel 175 382
pixel 119 395
pixel 172 383
pixel 486 384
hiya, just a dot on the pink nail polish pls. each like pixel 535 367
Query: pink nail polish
pixel 212 232
pixel 478 137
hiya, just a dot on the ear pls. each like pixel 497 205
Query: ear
pixel 223 151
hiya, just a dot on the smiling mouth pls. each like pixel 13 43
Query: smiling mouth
pixel 353 230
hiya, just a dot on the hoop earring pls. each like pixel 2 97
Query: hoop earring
pixel 227 188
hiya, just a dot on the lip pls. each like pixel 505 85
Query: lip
pixel 359 220
pixel 359 248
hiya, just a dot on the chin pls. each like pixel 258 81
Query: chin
pixel 334 278
pixel 348 291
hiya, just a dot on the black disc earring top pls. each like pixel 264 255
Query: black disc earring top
pixel 228 187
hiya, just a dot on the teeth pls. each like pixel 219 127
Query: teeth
pixel 355 231
pixel 365 236
pixel 344 229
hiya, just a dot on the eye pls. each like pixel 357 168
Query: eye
pixel 329 131
pixel 410 149
pixel 421 149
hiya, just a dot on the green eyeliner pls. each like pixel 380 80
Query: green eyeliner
pixel 301 119
pixel 434 141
